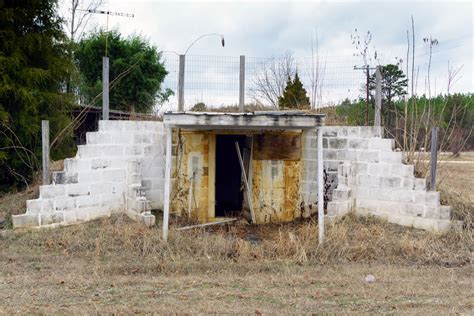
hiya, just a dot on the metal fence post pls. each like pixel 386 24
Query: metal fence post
pixel 182 60
pixel 378 97
pixel 242 84
pixel 45 150
pixel 434 157
pixel 105 88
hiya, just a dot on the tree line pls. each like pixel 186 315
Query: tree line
pixel 45 72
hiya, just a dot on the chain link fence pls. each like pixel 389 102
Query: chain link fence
pixel 214 80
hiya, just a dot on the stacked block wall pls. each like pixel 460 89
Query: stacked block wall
pixel 364 173
pixel 98 181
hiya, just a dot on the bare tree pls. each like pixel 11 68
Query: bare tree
pixel 317 74
pixel 78 16
pixel 271 77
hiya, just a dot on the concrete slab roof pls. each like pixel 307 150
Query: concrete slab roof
pixel 252 120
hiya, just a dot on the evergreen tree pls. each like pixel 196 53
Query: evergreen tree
pixel 34 67
pixel 294 96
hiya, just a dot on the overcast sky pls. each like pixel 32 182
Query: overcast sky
pixel 266 28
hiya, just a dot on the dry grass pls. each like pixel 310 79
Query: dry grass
pixel 118 265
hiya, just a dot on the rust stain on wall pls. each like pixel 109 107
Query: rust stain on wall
pixel 275 179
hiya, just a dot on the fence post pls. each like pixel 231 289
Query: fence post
pixel 242 84
pixel 434 157
pixel 182 60
pixel 45 150
pixel 320 185
pixel 378 97
pixel 105 88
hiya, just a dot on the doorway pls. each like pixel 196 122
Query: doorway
pixel 228 190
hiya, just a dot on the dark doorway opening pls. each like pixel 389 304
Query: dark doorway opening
pixel 229 196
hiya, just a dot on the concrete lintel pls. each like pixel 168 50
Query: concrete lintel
pixel 256 120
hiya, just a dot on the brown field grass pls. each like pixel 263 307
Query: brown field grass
pixel 118 266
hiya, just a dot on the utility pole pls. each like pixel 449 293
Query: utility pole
pixel 367 69
pixel 105 61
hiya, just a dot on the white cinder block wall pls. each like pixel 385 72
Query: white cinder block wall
pixel 120 169
pixel 364 174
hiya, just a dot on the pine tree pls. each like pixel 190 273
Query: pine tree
pixel 294 96
pixel 34 67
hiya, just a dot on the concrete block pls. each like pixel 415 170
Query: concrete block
pixel 367 204
pixel 87 201
pixel 142 138
pixel 51 218
pixel 34 206
pixel 100 163
pixel 383 144
pixel 368 156
pixel 329 154
pixel 402 170
pixel 391 157
pixel 358 143
pixel 436 225
pixel 311 153
pixel 360 167
pixel 348 131
pixel 88 151
pixel 156 195
pixel 52 191
pixel 77 189
pixel 147 219
pixel 118 188
pixel 391 182
pixel 25 220
pixel 347 155
pixel 337 143
pixel 432 211
pixel 123 137
pixel 368 181
pixel 92 176
pixel 390 207
pixel 414 209
pixel 74 165
pixel 420 184
pixel 341 194
pixel 111 151
pixel 401 220
pixel 329 165
pixel 432 198
pixel 420 197
pixel 66 203
pixel 101 188
pixel 408 183
pixel 329 131
pixel 112 175
pixel 154 150
pixel 96 138
pixel 404 196
pixel 134 150
pixel 69 217
pixel 62 177
pixel 445 212
pixel 378 169
pixel 371 131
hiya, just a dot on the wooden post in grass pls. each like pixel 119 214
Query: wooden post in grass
pixel 45 150
pixel 434 157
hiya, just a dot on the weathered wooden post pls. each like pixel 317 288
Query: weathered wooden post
pixel 242 84
pixel 182 61
pixel 167 190
pixel 434 157
pixel 320 186
pixel 45 150
pixel 105 88
pixel 378 97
